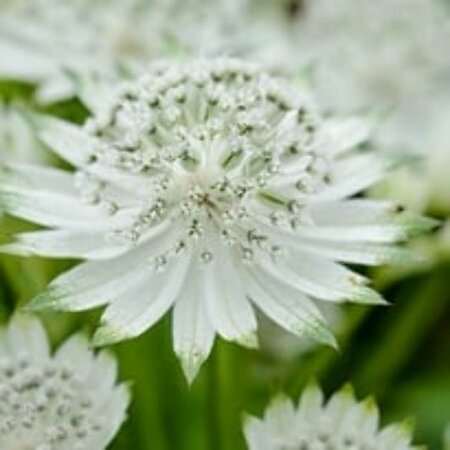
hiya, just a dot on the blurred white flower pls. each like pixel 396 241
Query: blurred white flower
pixel 389 56
pixel 49 41
pixel 65 401
pixel 342 423
pixel 17 138
pixel 370 54
pixel 422 128
pixel 54 43
pixel 207 186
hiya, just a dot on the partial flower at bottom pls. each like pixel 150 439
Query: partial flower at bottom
pixel 207 187
pixel 342 423
pixel 68 400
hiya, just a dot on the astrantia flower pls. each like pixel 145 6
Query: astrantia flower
pixel 207 186
pixel 65 401
pixel 342 423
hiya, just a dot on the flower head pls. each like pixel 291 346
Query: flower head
pixel 207 186
pixel 342 423
pixel 68 400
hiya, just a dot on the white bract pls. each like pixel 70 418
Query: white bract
pixel 207 187
pixel 340 424
pixel 61 401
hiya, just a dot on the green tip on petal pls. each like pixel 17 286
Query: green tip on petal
pixel 321 333
pixel 370 404
pixel 107 334
pixel 414 225
pixel 348 390
pixel 249 340
pixel 367 296
pixel 191 363
pixel 407 426
pixel 46 300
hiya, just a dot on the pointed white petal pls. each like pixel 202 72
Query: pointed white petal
pixel 367 254
pixel 280 418
pixel 310 408
pixel 291 310
pixel 229 310
pixel 351 176
pixel 142 306
pixel 320 278
pixel 193 335
pixel 74 353
pixel 64 244
pixel 347 133
pixel 256 434
pixel 67 140
pixel 19 62
pixel 93 283
pixel 27 337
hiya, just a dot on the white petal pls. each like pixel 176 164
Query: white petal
pixel 193 335
pixel 27 337
pixel 69 141
pixel 114 414
pixel 64 244
pixel 74 353
pixel 47 209
pixel 31 177
pixel 76 146
pixel 310 408
pixel 21 63
pixel 396 437
pixel 352 175
pixel 347 133
pixel 228 307
pixel 130 315
pixel 289 309
pixel 256 434
pixel 96 283
pixel 320 278
pixel 280 418
pixel 367 254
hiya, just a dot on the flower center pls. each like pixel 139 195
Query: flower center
pixel 218 146
pixel 43 405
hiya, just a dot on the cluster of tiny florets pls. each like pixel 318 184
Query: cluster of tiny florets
pixel 46 404
pixel 213 143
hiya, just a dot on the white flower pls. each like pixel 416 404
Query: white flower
pixel 375 53
pixel 342 423
pixel 50 42
pixel 207 187
pixel 17 139
pixel 65 401
pixel 58 44
pixel 423 129
pixel 390 56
